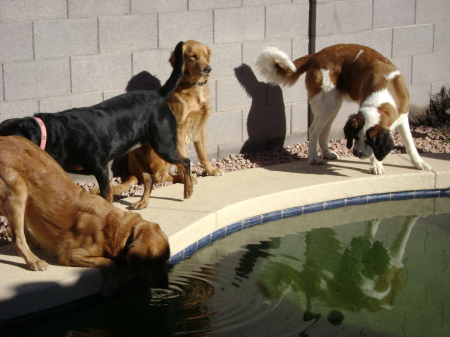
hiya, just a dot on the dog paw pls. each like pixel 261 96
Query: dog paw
pixel 376 169
pixel 95 190
pixel 141 204
pixel 38 265
pixel 316 161
pixel 422 166
pixel 194 179
pixel 217 172
pixel 330 155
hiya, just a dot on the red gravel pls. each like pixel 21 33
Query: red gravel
pixel 427 140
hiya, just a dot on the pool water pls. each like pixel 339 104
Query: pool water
pixel 372 270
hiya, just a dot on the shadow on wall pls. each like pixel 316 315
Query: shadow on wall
pixel 266 121
pixel 142 81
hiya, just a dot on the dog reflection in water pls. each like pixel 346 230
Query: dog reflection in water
pixel 366 275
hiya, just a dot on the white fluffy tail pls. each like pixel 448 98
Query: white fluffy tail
pixel 275 66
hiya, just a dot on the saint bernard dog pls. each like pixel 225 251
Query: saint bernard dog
pixel 362 75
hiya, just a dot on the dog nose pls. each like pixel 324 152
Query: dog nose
pixel 357 153
pixel 207 69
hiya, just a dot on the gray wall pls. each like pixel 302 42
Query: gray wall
pixel 58 54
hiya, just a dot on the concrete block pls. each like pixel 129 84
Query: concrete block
pixel 343 17
pixel 33 79
pixel 224 127
pixel 404 64
pixel 430 11
pixel 157 6
pixel 128 33
pixel 296 93
pixel 413 40
pixel 16 42
pixel 61 103
pixel 419 98
pixel 393 13
pixel 151 68
pixel 224 58
pixel 96 8
pixel 232 95
pixel 100 72
pixel 29 10
pixel 429 68
pixel 378 39
pixel 228 149
pixel 18 109
pixel 441 36
pixel 1 90
pixel 73 36
pixel 264 2
pixel 299 118
pixel 212 4
pixel 295 21
pixel 183 26
pixel 266 124
pixel 112 93
pixel 300 47
pixel 233 24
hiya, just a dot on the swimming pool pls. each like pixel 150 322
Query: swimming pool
pixel 377 269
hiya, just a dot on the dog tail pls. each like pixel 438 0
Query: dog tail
pixel 277 68
pixel 177 72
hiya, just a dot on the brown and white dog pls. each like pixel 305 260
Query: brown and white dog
pixel 189 103
pixel 44 206
pixel 362 75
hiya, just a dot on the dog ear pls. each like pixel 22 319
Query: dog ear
pixel 208 54
pixel 382 143
pixel 352 127
pixel 172 59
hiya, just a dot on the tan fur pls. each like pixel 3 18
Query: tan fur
pixel 80 229
pixel 190 105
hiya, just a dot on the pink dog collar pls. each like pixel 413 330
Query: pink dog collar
pixel 43 132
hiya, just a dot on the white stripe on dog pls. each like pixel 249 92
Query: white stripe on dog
pixel 358 55
pixel 392 74
pixel 327 84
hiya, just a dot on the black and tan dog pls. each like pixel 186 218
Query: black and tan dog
pixel 88 138
pixel 43 205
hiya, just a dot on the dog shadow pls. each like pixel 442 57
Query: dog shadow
pixel 266 126
pixel 143 81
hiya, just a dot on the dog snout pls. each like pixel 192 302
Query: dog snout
pixel 207 69
pixel 357 153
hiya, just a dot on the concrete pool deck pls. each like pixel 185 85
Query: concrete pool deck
pixel 217 202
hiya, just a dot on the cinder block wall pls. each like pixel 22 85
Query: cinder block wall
pixel 59 54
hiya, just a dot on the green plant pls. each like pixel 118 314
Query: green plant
pixel 439 111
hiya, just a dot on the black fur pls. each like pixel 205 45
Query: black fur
pixel 90 137
pixel 382 144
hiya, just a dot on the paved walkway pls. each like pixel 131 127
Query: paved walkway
pixel 217 202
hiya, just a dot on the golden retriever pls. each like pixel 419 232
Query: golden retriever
pixel 44 205
pixel 190 105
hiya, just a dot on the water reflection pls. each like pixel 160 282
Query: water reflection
pixel 363 275
pixel 344 272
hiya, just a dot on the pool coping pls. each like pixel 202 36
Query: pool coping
pixel 214 211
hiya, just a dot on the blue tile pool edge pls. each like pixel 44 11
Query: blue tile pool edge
pixel 31 319
pixel 300 210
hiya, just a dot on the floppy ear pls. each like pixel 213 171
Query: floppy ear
pixel 352 127
pixel 381 143
pixel 172 59
pixel 208 54
pixel 348 132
